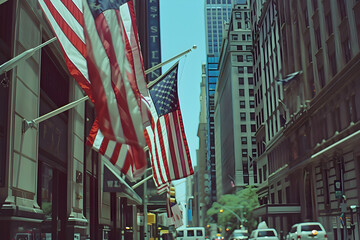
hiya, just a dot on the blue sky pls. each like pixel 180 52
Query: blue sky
pixel 182 26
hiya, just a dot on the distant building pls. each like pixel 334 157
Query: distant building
pixel 202 188
pixel 216 13
pixel 234 116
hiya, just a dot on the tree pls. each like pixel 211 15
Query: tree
pixel 232 208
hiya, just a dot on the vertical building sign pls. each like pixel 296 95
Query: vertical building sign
pixel 154 54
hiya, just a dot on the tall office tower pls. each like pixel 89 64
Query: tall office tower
pixel 216 13
pixel 234 117
pixel 268 93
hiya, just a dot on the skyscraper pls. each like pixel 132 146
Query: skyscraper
pixel 234 117
pixel 216 13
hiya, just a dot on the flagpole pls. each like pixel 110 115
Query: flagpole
pixel 28 124
pixel 141 182
pixel 152 83
pixel 22 56
pixel 31 124
pixel 170 60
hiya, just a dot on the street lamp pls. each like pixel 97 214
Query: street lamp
pixel 240 219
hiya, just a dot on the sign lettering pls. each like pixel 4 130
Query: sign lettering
pixel 154 38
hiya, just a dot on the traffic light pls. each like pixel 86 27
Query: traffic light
pixel 172 196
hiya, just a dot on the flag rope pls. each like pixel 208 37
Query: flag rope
pixel 32 123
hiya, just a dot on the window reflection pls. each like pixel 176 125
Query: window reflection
pixel 46 190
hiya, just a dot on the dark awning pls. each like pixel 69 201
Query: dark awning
pixel 114 183
pixel 276 209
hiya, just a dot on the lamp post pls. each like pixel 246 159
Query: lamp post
pixel 240 219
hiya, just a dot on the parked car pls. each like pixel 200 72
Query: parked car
pixel 306 231
pixel 264 233
pixel 190 233
pixel 239 234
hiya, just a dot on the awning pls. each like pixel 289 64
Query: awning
pixel 114 183
pixel 276 209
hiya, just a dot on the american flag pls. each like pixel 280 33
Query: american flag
pixel 165 137
pixel 67 22
pixel 127 158
pixel 112 75
pixel 113 79
pixel 111 71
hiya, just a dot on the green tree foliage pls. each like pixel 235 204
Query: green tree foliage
pixel 241 204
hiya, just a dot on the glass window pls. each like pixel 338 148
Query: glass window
pixel 241 80
pixel 241 92
pixel 243 127
pixel 46 189
pixel 238 15
pixel 252 104
pixel 309 228
pixel 243 116
pixel 252 116
pixel 251 92
pixel 329 24
pixel 190 233
pixel 199 233
pixel 346 50
pixel 253 128
pixel 242 104
pixel 244 153
pixel 244 140
pixel 342 8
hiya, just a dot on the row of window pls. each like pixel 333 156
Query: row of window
pixel 241 69
pixel 246 58
pixel 243 128
pixel 243 116
pixel 243 104
pixel 250 81
pixel 242 92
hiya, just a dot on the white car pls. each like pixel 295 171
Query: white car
pixel 307 231
pixel 264 233
pixel 239 234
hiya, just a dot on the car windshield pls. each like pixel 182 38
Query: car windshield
pixel 267 233
pixel 309 228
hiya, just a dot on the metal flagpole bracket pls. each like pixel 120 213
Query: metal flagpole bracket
pixel 27 124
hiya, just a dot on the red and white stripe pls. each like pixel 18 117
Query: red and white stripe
pixel 66 20
pixel 112 77
pixel 163 188
pixel 127 158
pixel 124 87
pixel 169 151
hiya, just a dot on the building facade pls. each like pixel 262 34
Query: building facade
pixel 234 117
pixel 52 185
pixel 317 145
